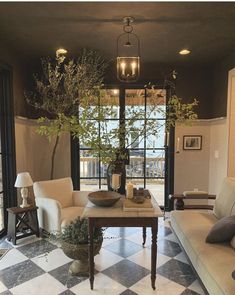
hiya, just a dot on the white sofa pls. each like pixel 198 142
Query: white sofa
pixel 214 263
pixel 58 203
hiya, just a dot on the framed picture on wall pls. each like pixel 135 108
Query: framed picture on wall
pixel 192 142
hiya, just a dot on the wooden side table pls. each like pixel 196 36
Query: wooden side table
pixel 179 204
pixel 22 222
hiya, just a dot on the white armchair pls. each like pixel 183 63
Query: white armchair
pixel 58 203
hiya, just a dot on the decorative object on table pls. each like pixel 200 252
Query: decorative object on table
pixel 128 53
pixel 116 181
pixel 139 199
pixel 192 142
pixel 129 190
pixel 104 198
pixel 118 166
pixel 131 205
pixel 74 243
pixel 194 192
pixel 23 181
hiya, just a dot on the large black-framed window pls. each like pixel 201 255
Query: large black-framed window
pixel 150 159
pixel 147 156
pixel 7 149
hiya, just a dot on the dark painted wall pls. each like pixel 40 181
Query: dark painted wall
pixel 11 58
pixel 192 82
pixel 206 84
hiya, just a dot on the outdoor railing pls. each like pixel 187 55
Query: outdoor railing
pixel 155 167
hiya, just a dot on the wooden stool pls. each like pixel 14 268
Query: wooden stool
pixel 25 217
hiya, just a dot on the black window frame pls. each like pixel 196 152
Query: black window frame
pixel 7 140
pixel 168 150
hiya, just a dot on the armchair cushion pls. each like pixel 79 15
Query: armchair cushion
pixel 58 189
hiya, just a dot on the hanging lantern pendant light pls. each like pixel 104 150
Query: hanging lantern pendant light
pixel 128 53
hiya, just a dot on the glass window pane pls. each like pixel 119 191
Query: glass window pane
pixel 136 167
pixel 89 165
pixel 156 103
pixel 93 131
pixel 135 103
pixel 109 102
pixel 135 134
pixel 103 170
pixel 155 134
pixel 104 184
pixel 155 163
pixel 157 188
pixel 138 182
pixel 109 133
pixel 89 184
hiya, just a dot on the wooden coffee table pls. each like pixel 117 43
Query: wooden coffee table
pixel 116 217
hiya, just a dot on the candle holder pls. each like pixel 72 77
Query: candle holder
pixel 115 181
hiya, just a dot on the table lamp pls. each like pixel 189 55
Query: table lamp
pixel 24 180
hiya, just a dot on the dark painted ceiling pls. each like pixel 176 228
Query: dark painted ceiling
pixel 38 29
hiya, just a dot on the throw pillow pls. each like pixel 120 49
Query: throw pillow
pixel 233 242
pixel 222 231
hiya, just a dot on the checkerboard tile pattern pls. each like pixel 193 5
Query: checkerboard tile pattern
pixel 35 266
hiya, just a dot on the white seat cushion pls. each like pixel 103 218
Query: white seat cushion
pixel 70 214
pixel 213 262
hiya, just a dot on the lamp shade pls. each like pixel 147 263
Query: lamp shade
pixel 23 180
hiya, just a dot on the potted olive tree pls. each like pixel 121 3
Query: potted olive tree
pixel 71 91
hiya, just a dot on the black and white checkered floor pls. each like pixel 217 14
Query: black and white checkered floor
pixel 123 267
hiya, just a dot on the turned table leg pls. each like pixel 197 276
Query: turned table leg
pixel 154 253
pixel 144 236
pixel 91 252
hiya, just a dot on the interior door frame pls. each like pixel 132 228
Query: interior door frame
pixel 7 140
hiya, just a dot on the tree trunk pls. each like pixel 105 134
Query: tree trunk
pixel 53 157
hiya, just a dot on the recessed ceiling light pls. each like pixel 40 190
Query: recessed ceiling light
pixel 61 51
pixel 184 51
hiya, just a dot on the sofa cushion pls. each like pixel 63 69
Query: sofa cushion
pixel 222 231
pixel 214 263
pixel 225 201
pixel 233 242
pixel 57 189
